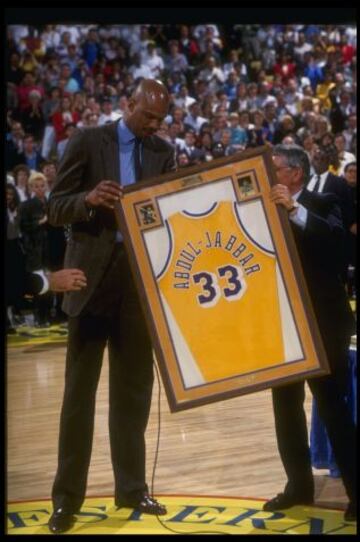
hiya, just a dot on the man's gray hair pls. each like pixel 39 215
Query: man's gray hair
pixel 295 156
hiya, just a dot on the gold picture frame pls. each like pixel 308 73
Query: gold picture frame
pixel 220 281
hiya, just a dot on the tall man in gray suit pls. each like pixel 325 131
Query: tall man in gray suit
pixel 97 163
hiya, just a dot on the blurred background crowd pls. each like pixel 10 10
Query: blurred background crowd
pixel 231 87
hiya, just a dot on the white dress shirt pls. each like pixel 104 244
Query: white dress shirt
pixel 313 180
pixel 300 216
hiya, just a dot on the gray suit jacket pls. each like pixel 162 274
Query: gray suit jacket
pixel 92 156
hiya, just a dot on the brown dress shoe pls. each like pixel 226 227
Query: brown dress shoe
pixel 144 504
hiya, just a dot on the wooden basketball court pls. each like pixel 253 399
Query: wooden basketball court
pixel 226 449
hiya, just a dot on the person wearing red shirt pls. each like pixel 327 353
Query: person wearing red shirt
pixel 62 118
pixel 285 67
pixel 23 90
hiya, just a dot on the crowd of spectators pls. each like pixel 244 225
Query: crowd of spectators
pixel 231 87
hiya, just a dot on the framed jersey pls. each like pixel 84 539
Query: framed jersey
pixel 220 281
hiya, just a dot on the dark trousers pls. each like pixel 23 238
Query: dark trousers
pixel 114 318
pixel 292 435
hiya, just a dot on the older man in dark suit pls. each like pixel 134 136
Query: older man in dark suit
pixel 318 232
pixel 108 312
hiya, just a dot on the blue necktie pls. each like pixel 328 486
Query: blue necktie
pixel 137 162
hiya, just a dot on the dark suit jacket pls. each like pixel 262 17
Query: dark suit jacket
pixel 34 235
pixel 337 185
pixel 319 246
pixel 18 281
pixel 91 156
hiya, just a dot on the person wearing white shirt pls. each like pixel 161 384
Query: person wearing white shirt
pixel 350 132
pixel 122 105
pixel 72 30
pixel 50 37
pixel 345 157
pixel 193 119
pixel 138 69
pixel 154 61
pixel 212 74
pixel 108 115
pixel 302 47
pixel 183 99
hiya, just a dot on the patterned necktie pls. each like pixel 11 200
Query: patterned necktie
pixel 137 161
pixel 317 184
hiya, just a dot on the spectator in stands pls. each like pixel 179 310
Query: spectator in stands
pixel 212 74
pixel 107 115
pixel 26 86
pixel 322 127
pixel 33 219
pixel 240 102
pixel 257 135
pixel 176 61
pixel 205 144
pixel 252 92
pixel 32 118
pixel 350 132
pixel 91 48
pixel 345 157
pixel 231 85
pixel 225 140
pixel 139 69
pixel 189 147
pixel 293 97
pixel 14 145
pixel 285 67
pixel 61 146
pixel 33 226
pixel 63 117
pixel 14 72
pixel 182 159
pixel 194 119
pixel 239 136
pixel 21 178
pixel 270 120
pixel 183 99
pixel 14 254
pixel 286 127
pixel 312 70
pixel 154 61
pixel 30 156
pixel 188 46
pixel 48 168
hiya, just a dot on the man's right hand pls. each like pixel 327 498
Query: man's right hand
pixel 105 194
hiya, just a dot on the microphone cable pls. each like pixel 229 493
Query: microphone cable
pixel 155 465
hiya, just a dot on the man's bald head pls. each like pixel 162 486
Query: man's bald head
pixel 152 92
pixel 147 107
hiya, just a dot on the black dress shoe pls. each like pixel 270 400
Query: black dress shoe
pixel 351 512
pixel 61 521
pixel 144 504
pixel 283 501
